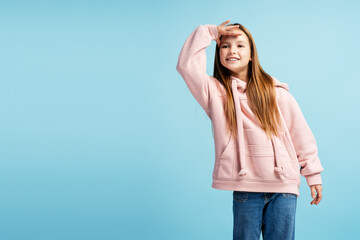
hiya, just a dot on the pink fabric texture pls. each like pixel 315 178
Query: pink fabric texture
pixel 251 161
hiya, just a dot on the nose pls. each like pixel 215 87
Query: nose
pixel 232 49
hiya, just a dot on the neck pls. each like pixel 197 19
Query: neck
pixel 243 75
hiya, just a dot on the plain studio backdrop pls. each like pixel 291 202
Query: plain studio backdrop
pixel 101 139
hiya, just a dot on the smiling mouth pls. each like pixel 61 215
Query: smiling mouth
pixel 232 59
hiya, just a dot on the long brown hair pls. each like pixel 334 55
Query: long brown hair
pixel 260 91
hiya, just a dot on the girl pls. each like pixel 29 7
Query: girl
pixel 262 141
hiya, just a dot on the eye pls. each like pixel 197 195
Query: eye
pixel 224 46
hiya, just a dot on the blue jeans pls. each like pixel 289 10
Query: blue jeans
pixel 273 214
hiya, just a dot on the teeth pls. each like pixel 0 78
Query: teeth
pixel 232 59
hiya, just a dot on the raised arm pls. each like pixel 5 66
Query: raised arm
pixel 304 141
pixel 192 62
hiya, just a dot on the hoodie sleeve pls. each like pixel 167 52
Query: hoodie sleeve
pixel 303 140
pixel 192 62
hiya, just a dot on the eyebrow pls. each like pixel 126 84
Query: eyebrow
pixel 236 41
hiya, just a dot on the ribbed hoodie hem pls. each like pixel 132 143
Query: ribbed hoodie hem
pixel 290 186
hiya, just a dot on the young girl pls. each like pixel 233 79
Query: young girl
pixel 261 136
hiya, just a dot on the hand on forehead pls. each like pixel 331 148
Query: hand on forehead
pixel 234 39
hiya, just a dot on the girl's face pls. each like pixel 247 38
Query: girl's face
pixel 235 47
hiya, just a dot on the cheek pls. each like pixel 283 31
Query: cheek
pixel 222 60
pixel 221 54
pixel 249 54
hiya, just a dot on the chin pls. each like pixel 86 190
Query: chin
pixel 235 70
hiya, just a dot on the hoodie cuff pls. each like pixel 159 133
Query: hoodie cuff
pixel 313 179
pixel 213 31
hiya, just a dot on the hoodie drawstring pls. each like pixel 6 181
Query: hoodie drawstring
pixel 279 169
pixel 239 122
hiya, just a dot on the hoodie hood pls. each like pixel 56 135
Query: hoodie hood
pixel 237 86
pixel 242 84
pixel 280 84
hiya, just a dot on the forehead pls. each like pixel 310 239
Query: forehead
pixel 234 39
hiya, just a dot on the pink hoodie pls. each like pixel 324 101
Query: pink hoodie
pixel 251 162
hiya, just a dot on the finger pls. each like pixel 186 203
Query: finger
pixel 315 201
pixel 230 27
pixel 318 199
pixel 224 23
pixel 313 193
pixel 232 33
pixel 319 193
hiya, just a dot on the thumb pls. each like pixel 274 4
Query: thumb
pixel 313 192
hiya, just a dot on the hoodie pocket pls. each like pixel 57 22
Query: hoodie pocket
pixel 226 160
pixel 290 167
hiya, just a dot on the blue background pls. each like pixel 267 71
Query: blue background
pixel 101 139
